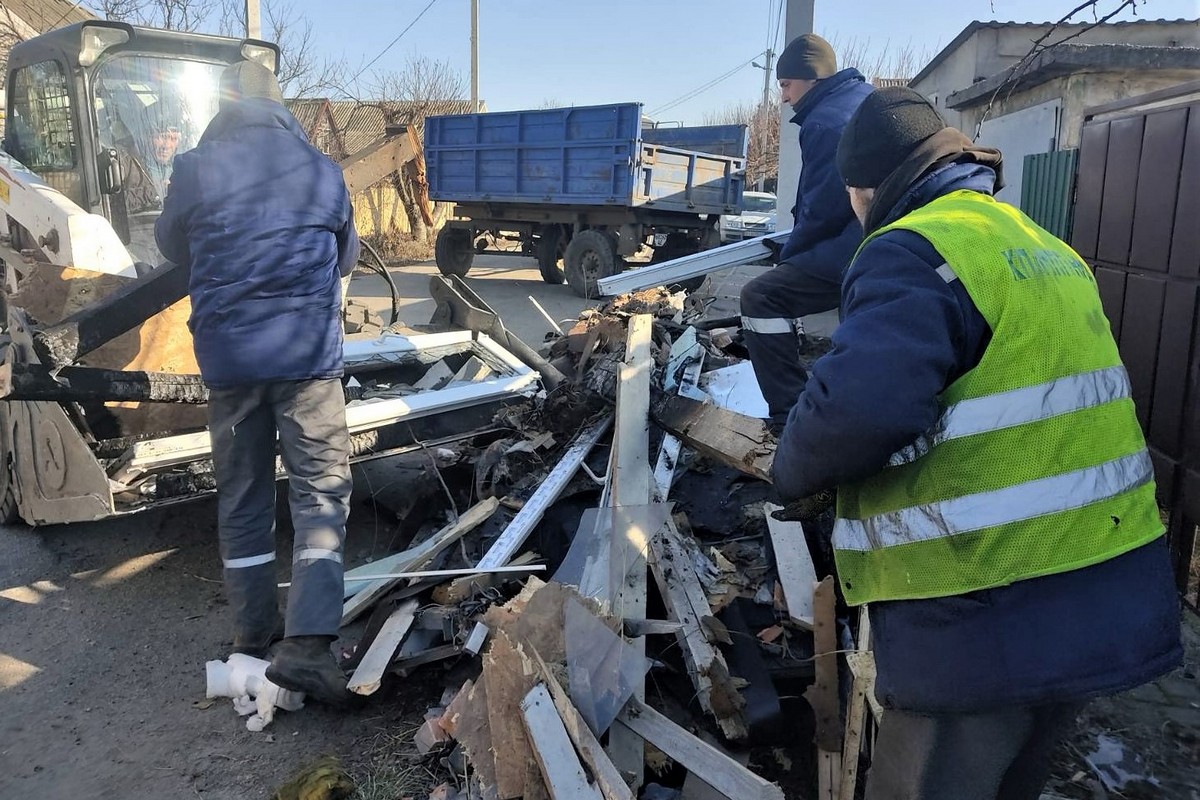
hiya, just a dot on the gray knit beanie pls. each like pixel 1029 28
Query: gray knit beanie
pixel 247 79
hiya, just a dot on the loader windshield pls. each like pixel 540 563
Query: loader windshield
pixel 150 109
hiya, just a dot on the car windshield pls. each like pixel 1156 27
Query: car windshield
pixel 149 109
pixel 758 205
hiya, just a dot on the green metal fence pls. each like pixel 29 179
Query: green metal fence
pixel 1048 190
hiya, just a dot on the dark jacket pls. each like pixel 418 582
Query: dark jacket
pixel 826 233
pixel 905 336
pixel 264 220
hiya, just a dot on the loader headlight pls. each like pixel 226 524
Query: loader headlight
pixel 261 53
pixel 95 39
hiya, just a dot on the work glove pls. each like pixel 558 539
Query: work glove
pixel 807 508
pixel 775 247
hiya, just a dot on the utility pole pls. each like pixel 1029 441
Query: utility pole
pixel 253 20
pixel 797 22
pixel 475 55
pixel 764 122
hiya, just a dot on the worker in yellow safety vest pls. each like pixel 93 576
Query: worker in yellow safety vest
pixel 995 498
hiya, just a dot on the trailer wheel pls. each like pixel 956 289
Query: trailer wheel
pixel 591 255
pixel 551 247
pixel 454 251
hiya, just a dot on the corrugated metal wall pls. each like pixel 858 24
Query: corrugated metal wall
pixel 1048 190
pixel 1137 222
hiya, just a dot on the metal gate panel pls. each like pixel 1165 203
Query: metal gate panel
pixel 1089 188
pixel 1049 185
pixel 1111 283
pixel 1185 245
pixel 1158 185
pixel 1120 189
pixel 1141 328
pixel 1175 358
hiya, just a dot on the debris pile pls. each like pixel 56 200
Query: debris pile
pixel 613 529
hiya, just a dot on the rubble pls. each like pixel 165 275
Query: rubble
pixel 662 481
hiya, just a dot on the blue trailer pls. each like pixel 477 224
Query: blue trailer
pixel 580 188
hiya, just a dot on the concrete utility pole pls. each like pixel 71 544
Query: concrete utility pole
pixel 475 55
pixel 799 21
pixel 764 124
pixel 253 20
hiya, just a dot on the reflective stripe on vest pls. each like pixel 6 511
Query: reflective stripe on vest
pixel 1020 406
pixel 975 512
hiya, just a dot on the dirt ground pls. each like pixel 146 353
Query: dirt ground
pixel 104 631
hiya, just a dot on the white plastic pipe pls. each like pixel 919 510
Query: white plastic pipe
pixel 244 678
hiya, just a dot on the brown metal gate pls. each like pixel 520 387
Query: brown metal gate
pixel 1137 221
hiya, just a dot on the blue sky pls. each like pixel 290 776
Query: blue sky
pixel 578 52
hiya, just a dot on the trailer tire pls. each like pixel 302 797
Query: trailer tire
pixel 551 248
pixel 590 256
pixel 453 251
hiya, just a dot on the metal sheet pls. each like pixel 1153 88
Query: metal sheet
pixel 1140 329
pixel 1157 190
pixel 1120 190
pixel 1185 247
pixel 1089 189
pixel 1175 358
pixel 1111 283
pixel 692 266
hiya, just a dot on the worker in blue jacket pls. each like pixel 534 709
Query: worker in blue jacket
pixel 264 222
pixel 808 277
pixel 995 497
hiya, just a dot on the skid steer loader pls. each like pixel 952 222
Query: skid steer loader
pixel 101 406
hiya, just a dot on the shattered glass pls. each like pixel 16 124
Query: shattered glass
pixel 603 670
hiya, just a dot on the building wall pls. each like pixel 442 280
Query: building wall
pixel 993 50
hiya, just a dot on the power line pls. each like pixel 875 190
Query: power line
pixel 778 25
pixel 392 43
pixel 683 98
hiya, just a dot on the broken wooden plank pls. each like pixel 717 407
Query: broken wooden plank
pixel 552 748
pixel 522 525
pixel 738 441
pixel 856 716
pixel 687 604
pixel 862 665
pixel 797 575
pixel 369 675
pixel 703 760
pixel 412 559
pixel 650 627
pixel 823 694
pixel 459 589
pixel 607 776
pixel 632 485
pixel 508 675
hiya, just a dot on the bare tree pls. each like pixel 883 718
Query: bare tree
pixel 302 71
pixel 879 62
pixel 423 87
pixel 175 15
pixel 762 154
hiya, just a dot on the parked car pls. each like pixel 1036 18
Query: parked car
pixel 757 218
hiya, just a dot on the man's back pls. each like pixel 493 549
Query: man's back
pixel 262 217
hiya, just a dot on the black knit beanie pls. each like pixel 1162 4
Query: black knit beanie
pixel 248 79
pixel 806 58
pixel 885 129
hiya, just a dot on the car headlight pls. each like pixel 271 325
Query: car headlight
pixel 771 225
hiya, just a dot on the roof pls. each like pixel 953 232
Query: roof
pixel 307 111
pixel 889 83
pixel 979 25
pixel 1065 59
pixel 44 15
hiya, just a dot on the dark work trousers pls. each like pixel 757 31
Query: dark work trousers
pixel 309 418
pixel 994 755
pixel 772 305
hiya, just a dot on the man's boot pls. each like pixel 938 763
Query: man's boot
pixel 257 643
pixel 305 664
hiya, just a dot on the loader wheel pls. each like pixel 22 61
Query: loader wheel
pixel 8 493
pixel 454 251
pixel 591 255
pixel 551 247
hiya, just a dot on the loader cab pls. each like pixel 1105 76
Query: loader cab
pixel 100 109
